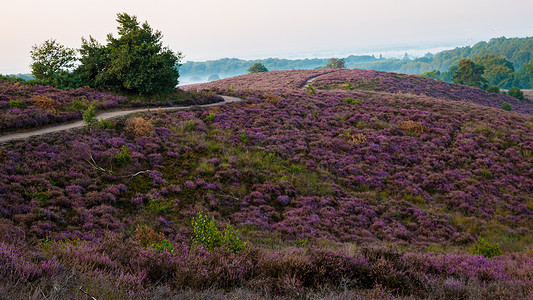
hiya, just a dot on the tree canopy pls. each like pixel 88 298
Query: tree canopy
pixel 469 73
pixel 134 62
pixel 336 63
pixel 51 60
pixel 257 68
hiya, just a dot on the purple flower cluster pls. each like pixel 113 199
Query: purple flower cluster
pixel 27 114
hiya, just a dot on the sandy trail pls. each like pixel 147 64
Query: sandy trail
pixel 105 116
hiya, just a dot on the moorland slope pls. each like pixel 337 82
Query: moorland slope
pixel 351 185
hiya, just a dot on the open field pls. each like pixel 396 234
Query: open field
pixel 355 185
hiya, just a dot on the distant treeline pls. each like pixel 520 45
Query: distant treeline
pixel 516 68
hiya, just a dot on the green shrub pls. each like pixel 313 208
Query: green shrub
pixel 16 103
pixel 486 173
pixel 210 117
pixel 159 207
pixel 206 234
pixel 77 105
pixel 89 116
pixel 190 125
pixel 506 106
pixel 106 124
pixel 493 89
pixel 123 156
pixel 243 137
pixel 516 92
pixel 295 169
pixel 485 248
pixel 350 100
pixel 163 246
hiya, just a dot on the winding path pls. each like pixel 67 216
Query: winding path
pixel 105 116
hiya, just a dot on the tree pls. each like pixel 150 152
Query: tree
pixel 134 62
pixel 469 73
pixel 498 70
pixel 50 61
pixel 516 92
pixel 336 63
pixel 257 68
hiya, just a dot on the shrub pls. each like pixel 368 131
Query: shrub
pixel 485 248
pixel 45 103
pixel 190 125
pixel 210 117
pixel 77 105
pixel 16 103
pixel 414 127
pixel 206 234
pixel 493 89
pixel 89 116
pixel 273 98
pixel 139 126
pixel 243 137
pixel 106 124
pixel 155 240
pixel 350 100
pixel 516 92
pixel 506 106
pixel 123 156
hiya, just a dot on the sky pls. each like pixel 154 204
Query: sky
pixel 212 29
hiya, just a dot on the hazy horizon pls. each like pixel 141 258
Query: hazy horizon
pixel 208 29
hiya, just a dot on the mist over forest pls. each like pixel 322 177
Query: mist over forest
pixel 517 51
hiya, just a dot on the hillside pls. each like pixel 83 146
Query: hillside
pixel 518 51
pixel 343 184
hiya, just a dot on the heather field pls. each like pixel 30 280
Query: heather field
pixel 343 184
pixel 24 107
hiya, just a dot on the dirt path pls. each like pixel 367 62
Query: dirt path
pixel 105 116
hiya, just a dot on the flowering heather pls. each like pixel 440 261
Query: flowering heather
pixel 380 197
pixel 23 106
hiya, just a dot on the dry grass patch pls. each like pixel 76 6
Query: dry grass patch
pixel 139 126
pixel 48 104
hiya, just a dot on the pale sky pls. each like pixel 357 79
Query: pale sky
pixel 209 29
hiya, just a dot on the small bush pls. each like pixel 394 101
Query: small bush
pixel 243 137
pixel 206 234
pixel 493 89
pixel 273 98
pixel 139 126
pixel 190 125
pixel 350 100
pixel 412 126
pixel 210 117
pixel 89 116
pixel 485 248
pixel 486 173
pixel 516 92
pixel 77 105
pixel 45 103
pixel 106 124
pixel 506 106
pixel 123 156
pixel 16 103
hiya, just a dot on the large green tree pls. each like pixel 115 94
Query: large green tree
pixel 469 73
pixel 498 70
pixel 51 61
pixel 134 62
